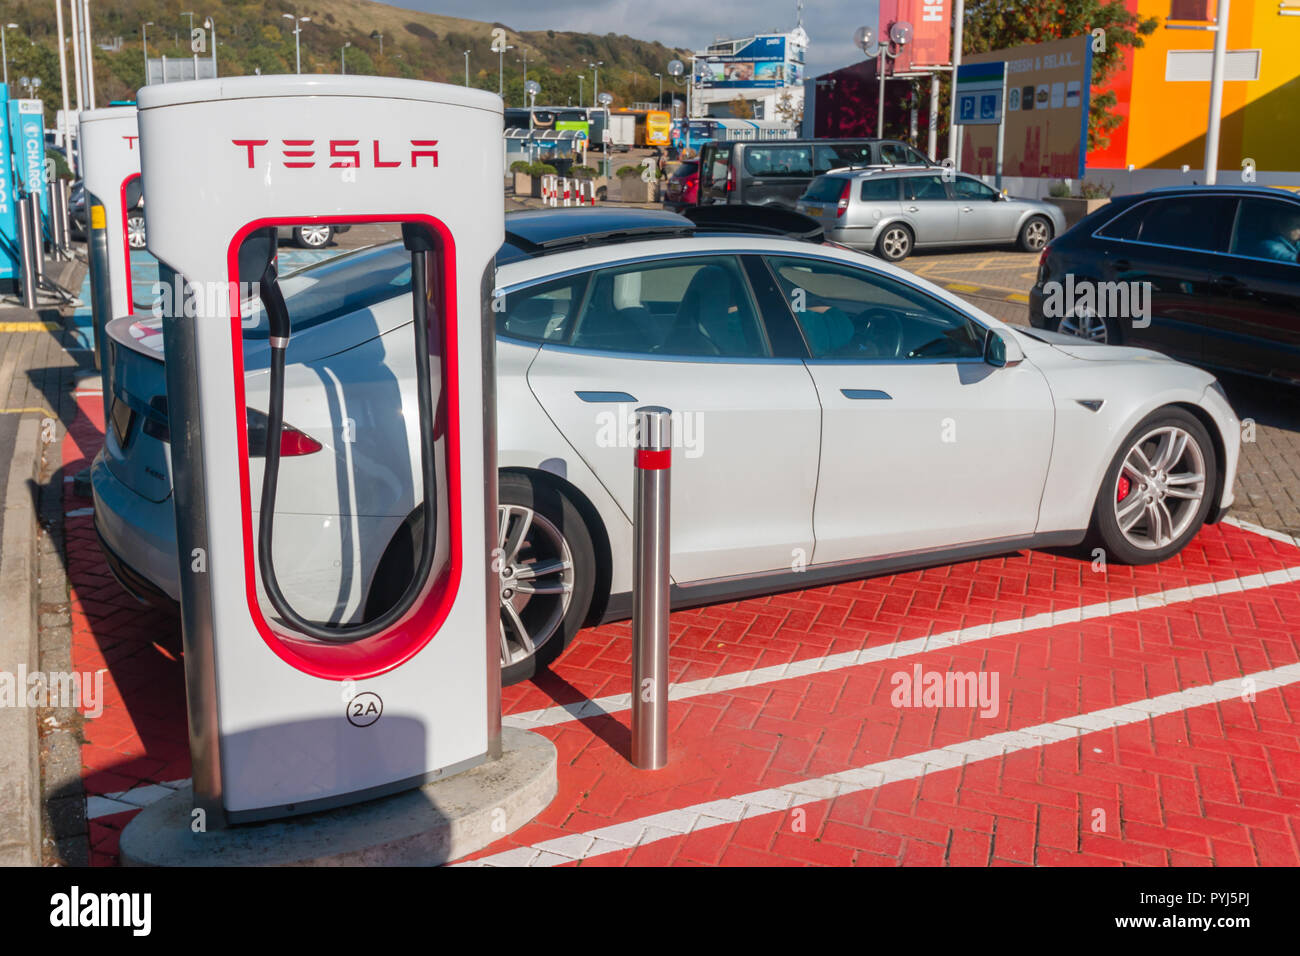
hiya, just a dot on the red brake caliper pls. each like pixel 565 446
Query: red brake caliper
pixel 1123 488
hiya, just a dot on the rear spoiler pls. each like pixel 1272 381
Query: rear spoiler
pixel 764 220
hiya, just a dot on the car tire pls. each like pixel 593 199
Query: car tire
pixel 894 244
pixel 1165 522
pixel 1102 329
pixel 312 237
pixel 556 528
pixel 1035 234
pixel 135 235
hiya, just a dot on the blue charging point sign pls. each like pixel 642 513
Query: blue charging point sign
pixel 27 128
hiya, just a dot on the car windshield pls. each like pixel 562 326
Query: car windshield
pixel 687 170
pixel 825 189
pixel 339 286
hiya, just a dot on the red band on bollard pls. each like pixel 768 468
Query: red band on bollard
pixel 653 460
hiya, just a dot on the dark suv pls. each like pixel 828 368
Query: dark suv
pixel 1205 273
pixel 777 172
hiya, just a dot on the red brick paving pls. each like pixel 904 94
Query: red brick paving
pixel 1218 783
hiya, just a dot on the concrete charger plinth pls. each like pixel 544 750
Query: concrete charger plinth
pixel 441 821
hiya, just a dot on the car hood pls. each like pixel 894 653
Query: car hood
pixel 1076 347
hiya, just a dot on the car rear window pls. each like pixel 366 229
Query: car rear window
pixel 1186 222
pixel 686 170
pixel 825 189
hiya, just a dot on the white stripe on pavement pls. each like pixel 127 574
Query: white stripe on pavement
pixel 604 706
pixel 703 816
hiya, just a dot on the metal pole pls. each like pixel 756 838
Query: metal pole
pixel 89 48
pixel 1002 131
pixel 297 47
pixel 28 256
pixel 144 45
pixel 880 106
pixel 38 239
pixel 467 68
pixel 76 51
pixel 4 52
pixel 63 83
pixel 214 49
pixel 933 145
pixel 650 588
pixel 65 219
pixel 1216 92
pixel 958 15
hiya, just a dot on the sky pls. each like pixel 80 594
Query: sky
pixel 681 23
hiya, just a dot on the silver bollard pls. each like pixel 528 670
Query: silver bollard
pixel 58 244
pixel 650 588
pixel 28 253
pixel 65 217
pixel 38 235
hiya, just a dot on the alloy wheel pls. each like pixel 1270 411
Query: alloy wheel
pixel 1159 488
pixel 315 236
pixel 1088 326
pixel 135 237
pixel 1036 235
pixel 535 573
pixel 895 243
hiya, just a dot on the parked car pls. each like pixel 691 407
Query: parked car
pixel 777 172
pixel 683 188
pixel 1205 273
pixel 892 212
pixel 836 417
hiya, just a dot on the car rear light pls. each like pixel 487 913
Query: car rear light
pixel 731 179
pixel 842 206
pixel 293 443
pixel 1042 259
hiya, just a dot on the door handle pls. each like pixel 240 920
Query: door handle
pixel 965 209
pixel 1122 265
pixel 1228 282
pixel 596 398
pixel 911 209
pixel 866 394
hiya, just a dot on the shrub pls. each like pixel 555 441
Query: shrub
pixel 1059 189
pixel 583 172
pixel 520 166
pixel 1096 190
pixel 627 172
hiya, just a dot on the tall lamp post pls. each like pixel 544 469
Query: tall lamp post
pixel 595 81
pixel 467 69
pixel 582 78
pixel 297 39
pixel 376 35
pixel 343 63
pixel 501 70
pixel 211 24
pixel 4 50
pixel 144 45
pixel 660 102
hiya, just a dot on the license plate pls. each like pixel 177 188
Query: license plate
pixel 811 210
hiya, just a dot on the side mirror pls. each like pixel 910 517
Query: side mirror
pixel 1001 350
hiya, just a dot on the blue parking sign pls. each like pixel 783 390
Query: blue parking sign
pixel 968 107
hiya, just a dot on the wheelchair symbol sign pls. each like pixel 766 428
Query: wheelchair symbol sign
pixel 989 106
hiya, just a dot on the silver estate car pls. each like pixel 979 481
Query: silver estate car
pixel 892 212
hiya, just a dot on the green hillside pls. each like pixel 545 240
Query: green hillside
pixel 255 37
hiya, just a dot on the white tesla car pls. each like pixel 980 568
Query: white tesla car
pixel 836 417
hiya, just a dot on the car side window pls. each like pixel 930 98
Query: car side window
pixel 1267 229
pixel 778 161
pixel 542 312
pixel 924 187
pixel 690 306
pixel 879 190
pixel 1186 222
pixel 851 313
pixel 967 188
pixel 894 154
pixel 841 155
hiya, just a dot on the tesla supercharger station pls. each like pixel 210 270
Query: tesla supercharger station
pixel 285 720
pixel 110 157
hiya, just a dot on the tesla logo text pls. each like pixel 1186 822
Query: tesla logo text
pixel 130 141
pixel 341 153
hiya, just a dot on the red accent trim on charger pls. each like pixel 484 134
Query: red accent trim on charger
pixel 371 656
pixel 126 247
pixel 653 460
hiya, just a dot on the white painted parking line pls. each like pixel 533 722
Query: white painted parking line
pixel 702 816
pixel 605 706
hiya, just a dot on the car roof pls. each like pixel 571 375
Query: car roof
pixel 1245 189
pixel 539 231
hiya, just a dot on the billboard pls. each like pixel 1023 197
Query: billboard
pixel 931 43
pixel 1046 109
pixel 766 62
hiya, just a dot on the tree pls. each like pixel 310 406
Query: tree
pixel 998 24
pixel 787 110
pixel 740 108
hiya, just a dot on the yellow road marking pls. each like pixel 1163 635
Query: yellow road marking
pixel 24 411
pixel 1018 297
pixel 30 327
pixel 960 287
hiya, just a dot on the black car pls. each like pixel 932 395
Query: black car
pixel 1208 274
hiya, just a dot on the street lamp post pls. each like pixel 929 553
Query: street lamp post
pixel 467 69
pixel 211 24
pixel 4 50
pixel 1216 92
pixel 343 63
pixel 660 102
pixel 501 70
pixel 376 35
pixel 595 82
pixel 582 78
pixel 297 40
pixel 144 45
